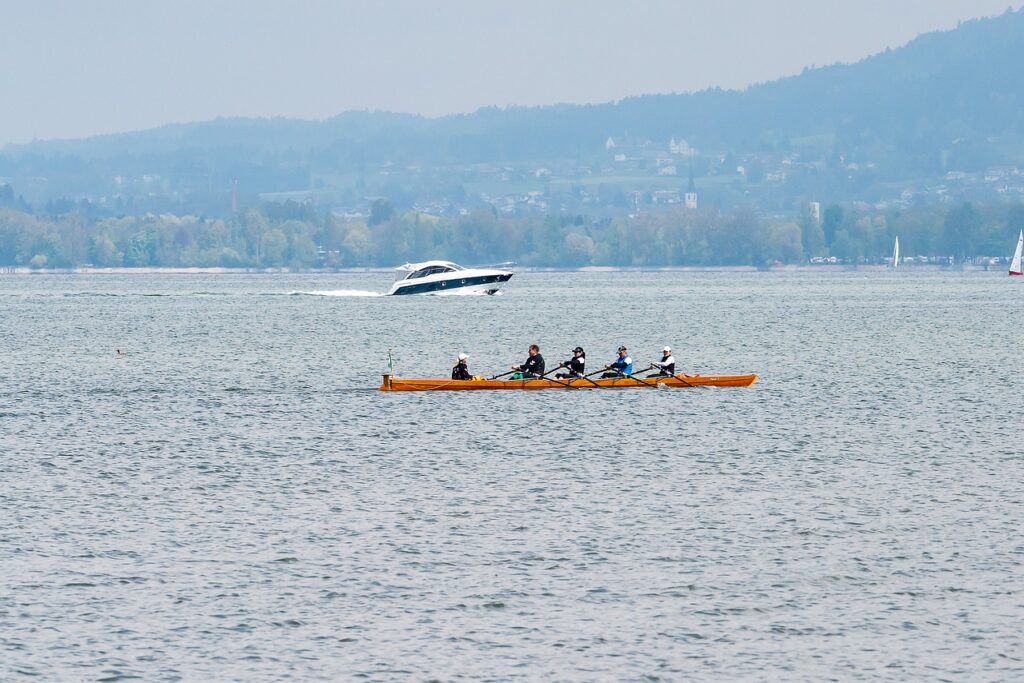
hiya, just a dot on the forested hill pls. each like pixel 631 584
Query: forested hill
pixel 925 142
pixel 947 102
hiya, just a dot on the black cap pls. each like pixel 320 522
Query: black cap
pixel 578 349
pixel 622 348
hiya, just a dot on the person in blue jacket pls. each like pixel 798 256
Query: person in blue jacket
pixel 622 367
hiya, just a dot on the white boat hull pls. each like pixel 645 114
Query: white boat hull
pixel 470 281
pixel 491 288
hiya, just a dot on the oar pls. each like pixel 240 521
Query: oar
pixel 567 385
pixel 638 379
pixel 504 374
pixel 678 376
pixel 654 368
pixel 589 375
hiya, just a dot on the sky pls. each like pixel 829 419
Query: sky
pixel 72 69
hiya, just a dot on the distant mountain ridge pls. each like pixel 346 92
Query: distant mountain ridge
pixel 972 73
pixel 946 100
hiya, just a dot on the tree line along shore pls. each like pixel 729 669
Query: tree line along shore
pixel 303 236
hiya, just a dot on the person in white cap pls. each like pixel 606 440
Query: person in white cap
pixel 667 364
pixel 461 370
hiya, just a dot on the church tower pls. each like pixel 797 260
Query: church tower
pixel 690 198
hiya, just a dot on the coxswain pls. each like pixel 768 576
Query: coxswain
pixel 533 367
pixel 461 370
pixel 622 367
pixel 575 365
pixel 667 365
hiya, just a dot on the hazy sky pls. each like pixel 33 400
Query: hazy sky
pixel 76 68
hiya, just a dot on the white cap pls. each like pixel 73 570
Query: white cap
pixel 463 356
pixel 667 349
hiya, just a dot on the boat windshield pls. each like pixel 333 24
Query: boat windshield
pixel 432 270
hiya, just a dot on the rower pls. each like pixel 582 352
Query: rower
pixel 667 365
pixel 533 367
pixel 576 365
pixel 461 370
pixel 622 367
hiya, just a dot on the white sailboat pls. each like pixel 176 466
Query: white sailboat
pixel 896 254
pixel 1015 264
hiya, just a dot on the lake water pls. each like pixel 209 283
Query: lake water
pixel 234 500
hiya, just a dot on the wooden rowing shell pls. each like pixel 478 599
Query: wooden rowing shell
pixel 679 381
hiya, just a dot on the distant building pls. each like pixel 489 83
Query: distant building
pixel 997 173
pixel 681 148
pixel 814 211
pixel 690 198
pixel 667 170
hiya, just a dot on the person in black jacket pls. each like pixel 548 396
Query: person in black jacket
pixel 575 365
pixel 461 369
pixel 533 367
pixel 667 364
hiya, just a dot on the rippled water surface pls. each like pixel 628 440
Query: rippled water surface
pixel 234 500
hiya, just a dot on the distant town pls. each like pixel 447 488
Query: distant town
pixel 826 167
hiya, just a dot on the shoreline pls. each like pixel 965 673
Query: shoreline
pixel 155 270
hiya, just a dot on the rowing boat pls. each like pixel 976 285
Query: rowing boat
pixel 392 383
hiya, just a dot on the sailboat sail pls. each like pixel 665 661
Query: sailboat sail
pixel 1015 264
pixel 896 254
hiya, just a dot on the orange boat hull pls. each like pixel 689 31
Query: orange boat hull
pixel 677 381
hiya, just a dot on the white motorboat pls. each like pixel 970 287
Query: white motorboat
pixel 445 277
